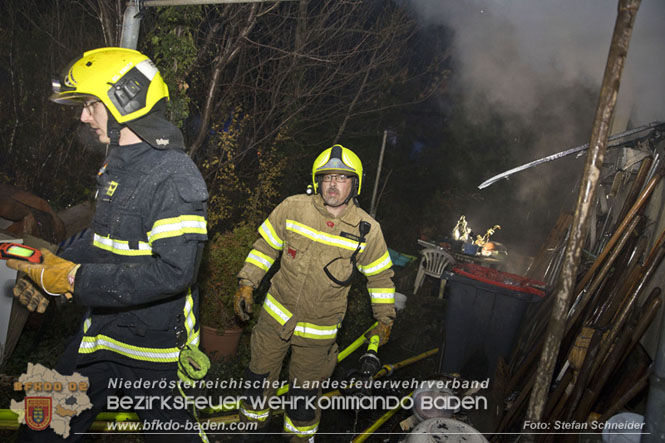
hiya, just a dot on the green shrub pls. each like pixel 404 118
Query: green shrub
pixel 223 257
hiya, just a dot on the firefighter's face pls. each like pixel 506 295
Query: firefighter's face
pixel 95 115
pixel 335 188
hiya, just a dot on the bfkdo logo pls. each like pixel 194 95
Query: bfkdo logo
pixel 38 412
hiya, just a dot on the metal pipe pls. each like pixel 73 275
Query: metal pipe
pixel 559 396
pixel 597 146
pixel 602 239
pixel 554 275
pixel 654 166
pixel 131 22
pixel 372 206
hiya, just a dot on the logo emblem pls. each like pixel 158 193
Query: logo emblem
pixel 291 252
pixel 37 412
pixel 330 224
pixel 111 189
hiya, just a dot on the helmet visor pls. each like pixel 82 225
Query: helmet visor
pixel 335 165
pixel 72 99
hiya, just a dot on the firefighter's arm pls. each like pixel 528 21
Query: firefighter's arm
pixel 375 264
pixel 176 232
pixel 258 262
pixel 264 252
pixel 266 248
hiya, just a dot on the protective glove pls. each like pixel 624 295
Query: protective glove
pixel 54 275
pixel 383 330
pixel 30 296
pixel 243 302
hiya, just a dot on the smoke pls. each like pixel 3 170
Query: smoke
pixel 538 66
pixel 509 51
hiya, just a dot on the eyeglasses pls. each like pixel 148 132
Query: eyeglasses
pixel 339 178
pixel 90 105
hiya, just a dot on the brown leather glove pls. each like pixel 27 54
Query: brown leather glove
pixel 54 275
pixel 243 302
pixel 30 296
pixel 383 329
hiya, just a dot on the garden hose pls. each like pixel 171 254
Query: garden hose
pixel 193 364
pixel 377 424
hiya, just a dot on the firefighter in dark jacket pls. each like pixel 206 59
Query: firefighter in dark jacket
pixel 136 266
pixel 321 239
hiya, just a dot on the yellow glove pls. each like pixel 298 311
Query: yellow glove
pixel 54 275
pixel 383 330
pixel 30 296
pixel 243 302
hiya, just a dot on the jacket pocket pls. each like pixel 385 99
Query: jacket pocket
pixel 295 247
pixel 295 257
pixel 128 226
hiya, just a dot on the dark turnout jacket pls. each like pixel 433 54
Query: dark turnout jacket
pixel 140 257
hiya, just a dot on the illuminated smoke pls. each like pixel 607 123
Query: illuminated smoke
pixel 538 65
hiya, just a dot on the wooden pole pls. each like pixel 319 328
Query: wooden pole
pixel 608 95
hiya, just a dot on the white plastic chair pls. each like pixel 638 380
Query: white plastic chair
pixel 433 262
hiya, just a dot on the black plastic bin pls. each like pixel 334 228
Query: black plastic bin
pixel 484 312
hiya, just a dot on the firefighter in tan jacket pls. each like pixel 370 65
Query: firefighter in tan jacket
pixel 321 239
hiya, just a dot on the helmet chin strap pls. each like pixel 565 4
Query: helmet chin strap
pixel 336 206
pixel 113 129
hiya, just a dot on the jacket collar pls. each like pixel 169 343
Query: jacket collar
pixel 127 156
pixel 349 216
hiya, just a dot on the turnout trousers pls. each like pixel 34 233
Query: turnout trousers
pixel 311 362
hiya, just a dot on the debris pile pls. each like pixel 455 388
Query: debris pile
pixel 601 366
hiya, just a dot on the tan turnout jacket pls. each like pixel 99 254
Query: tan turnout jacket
pixel 302 299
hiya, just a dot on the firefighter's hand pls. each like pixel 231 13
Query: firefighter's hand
pixel 30 296
pixel 383 330
pixel 54 275
pixel 243 302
